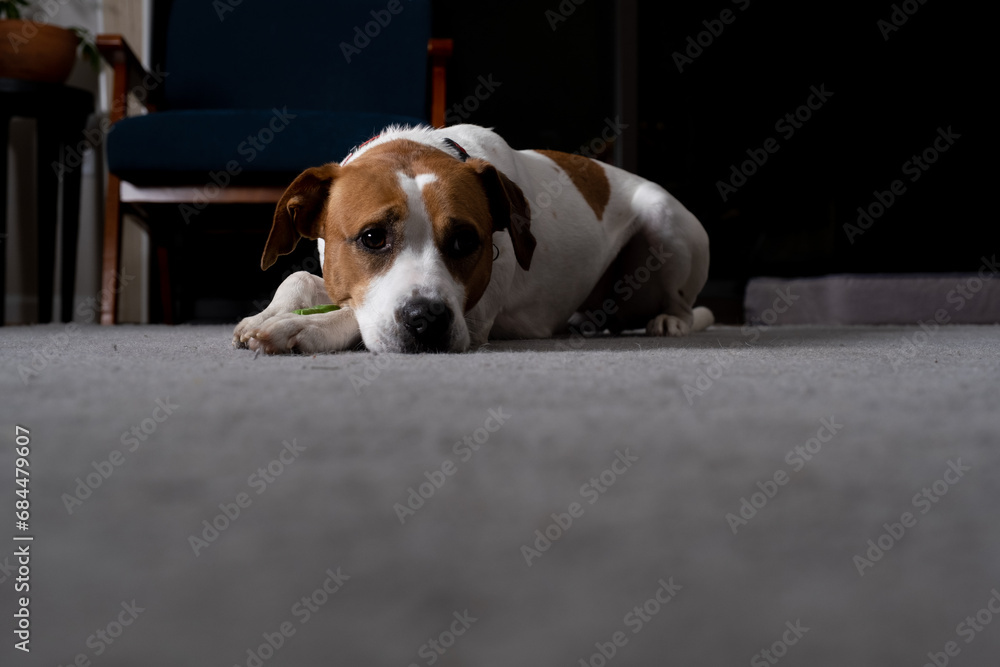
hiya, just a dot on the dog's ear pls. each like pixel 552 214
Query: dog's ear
pixel 509 210
pixel 299 212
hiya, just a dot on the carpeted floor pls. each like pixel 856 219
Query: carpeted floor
pixel 808 496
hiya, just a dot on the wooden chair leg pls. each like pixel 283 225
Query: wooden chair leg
pixel 440 51
pixel 166 295
pixel 112 251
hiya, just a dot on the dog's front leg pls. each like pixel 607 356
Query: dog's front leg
pixel 335 331
pixel 277 329
pixel 299 290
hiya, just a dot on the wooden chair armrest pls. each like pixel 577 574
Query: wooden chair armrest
pixel 129 76
pixel 439 51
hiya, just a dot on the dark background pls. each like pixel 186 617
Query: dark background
pixel 889 97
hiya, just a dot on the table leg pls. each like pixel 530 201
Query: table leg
pixel 71 232
pixel 48 199
pixel 4 125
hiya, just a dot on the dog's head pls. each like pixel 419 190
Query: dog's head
pixel 408 231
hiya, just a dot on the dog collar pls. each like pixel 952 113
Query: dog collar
pixel 461 153
pixel 354 150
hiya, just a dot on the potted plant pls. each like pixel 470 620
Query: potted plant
pixel 38 51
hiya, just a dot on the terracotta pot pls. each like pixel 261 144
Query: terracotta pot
pixel 36 51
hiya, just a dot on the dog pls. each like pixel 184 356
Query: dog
pixel 437 240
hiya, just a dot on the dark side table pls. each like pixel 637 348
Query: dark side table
pixel 61 114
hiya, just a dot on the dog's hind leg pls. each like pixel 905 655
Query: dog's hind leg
pixel 678 263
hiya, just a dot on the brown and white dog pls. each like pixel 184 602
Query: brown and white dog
pixel 437 240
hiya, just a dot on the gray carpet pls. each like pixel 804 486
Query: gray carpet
pixel 843 427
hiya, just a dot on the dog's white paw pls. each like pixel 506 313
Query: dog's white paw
pixel 280 334
pixel 246 329
pixel 307 334
pixel 299 290
pixel 667 325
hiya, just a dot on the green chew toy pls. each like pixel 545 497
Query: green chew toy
pixel 317 309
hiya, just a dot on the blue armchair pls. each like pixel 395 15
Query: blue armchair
pixel 252 93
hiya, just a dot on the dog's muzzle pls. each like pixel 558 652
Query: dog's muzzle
pixel 426 324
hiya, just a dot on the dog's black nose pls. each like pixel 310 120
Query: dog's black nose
pixel 428 322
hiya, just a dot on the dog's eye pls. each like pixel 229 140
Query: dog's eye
pixel 374 238
pixel 463 243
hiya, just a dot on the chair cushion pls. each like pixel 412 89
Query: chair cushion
pixel 167 145
pixel 337 55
